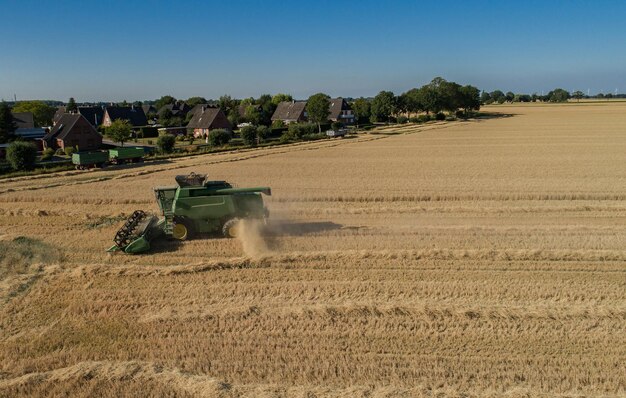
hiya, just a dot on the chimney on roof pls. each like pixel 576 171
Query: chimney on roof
pixel 203 108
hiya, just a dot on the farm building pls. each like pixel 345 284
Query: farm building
pixel 290 112
pixel 206 119
pixel 134 114
pixel 340 111
pixel 73 130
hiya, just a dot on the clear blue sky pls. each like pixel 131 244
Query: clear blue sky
pixel 136 50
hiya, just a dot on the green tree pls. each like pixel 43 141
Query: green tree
pixel 166 143
pixel 193 101
pixel 440 95
pixel 176 121
pixel 164 100
pixel 253 114
pixel 120 131
pixel 165 118
pixel 450 96
pixel 485 98
pixel 383 106
pixel 249 135
pixel 267 109
pixel 361 109
pixel 71 106
pixel 469 99
pixel 578 95
pixel 297 131
pixel 151 116
pixel 262 132
pixel 318 109
pixel 188 117
pixel 7 123
pixel 227 104
pixel 219 137
pixel 412 101
pixel 436 89
pixel 498 96
pixel 428 99
pixel 230 107
pixel 558 95
pixel 233 116
pixel 42 113
pixel 278 98
pixel 278 124
pixel 401 105
pixel 21 155
pixel 509 96
pixel 247 102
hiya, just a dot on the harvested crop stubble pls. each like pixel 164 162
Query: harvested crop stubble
pixel 481 258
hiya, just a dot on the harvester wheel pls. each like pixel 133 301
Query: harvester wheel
pixel 180 231
pixel 232 228
pixel 183 229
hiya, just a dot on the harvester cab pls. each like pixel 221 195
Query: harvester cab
pixel 194 206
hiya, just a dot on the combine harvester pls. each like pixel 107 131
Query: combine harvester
pixel 192 207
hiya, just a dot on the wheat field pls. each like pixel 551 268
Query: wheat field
pixel 467 259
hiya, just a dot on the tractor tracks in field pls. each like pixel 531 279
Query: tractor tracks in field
pixel 467 260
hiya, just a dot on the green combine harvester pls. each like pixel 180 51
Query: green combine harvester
pixel 194 206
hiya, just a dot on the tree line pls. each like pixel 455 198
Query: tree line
pixel 556 95
pixel 257 111
pixel 435 97
pixel 499 97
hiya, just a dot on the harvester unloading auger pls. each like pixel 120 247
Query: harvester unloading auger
pixel 194 206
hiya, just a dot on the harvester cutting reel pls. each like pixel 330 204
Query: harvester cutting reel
pixel 136 233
